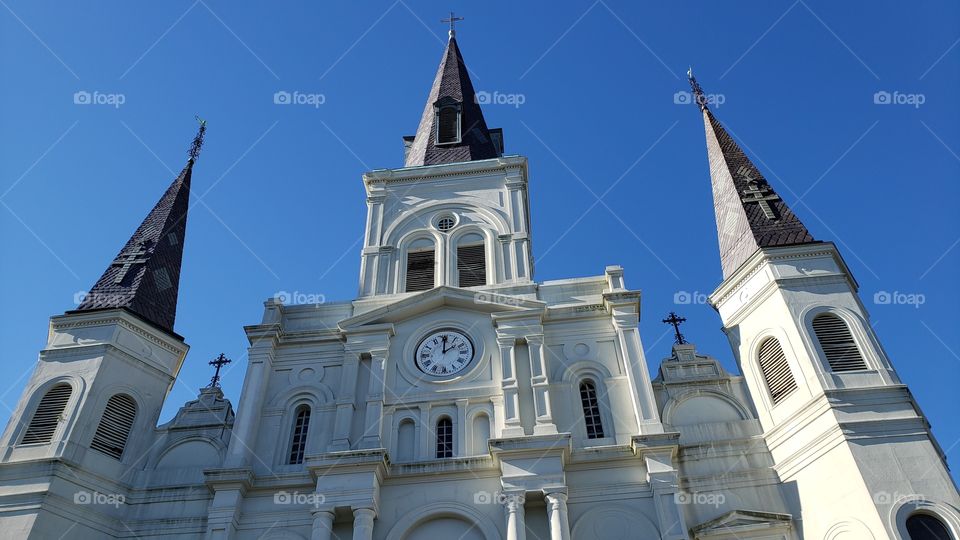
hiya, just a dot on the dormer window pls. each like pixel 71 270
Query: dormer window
pixel 448 121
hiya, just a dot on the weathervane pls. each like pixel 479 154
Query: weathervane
pixel 197 143
pixel 698 96
pixel 218 362
pixel 452 20
pixel 674 320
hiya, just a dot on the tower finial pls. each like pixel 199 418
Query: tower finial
pixel 698 96
pixel 452 20
pixel 197 143
pixel 675 321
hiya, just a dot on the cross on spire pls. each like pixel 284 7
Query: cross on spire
pixel 127 259
pixel 675 320
pixel 452 20
pixel 756 193
pixel 218 362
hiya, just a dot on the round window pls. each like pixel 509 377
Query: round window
pixel 446 223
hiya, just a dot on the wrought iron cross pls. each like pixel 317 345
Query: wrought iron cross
pixel 452 20
pixel 218 362
pixel 127 259
pixel 675 320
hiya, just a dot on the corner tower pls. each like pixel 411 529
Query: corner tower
pixel 457 212
pixel 86 420
pixel 850 445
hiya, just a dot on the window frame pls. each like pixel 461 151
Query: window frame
pixel 825 359
pixel 107 435
pixel 444 448
pixel 439 108
pixel 596 415
pixel 62 418
pixel 775 400
pixel 298 437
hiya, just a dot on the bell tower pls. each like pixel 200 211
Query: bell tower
pixel 86 420
pixel 457 213
pixel 849 442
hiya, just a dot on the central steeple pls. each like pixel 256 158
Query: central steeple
pixel 452 128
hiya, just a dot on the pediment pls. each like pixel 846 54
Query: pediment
pixel 412 306
pixel 742 521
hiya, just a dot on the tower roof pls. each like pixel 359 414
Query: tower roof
pixel 749 213
pixel 451 85
pixel 144 278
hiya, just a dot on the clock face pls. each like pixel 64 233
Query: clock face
pixel 444 353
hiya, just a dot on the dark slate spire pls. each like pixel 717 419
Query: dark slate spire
pixel 144 278
pixel 750 215
pixel 452 87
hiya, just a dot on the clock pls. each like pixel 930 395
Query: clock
pixel 444 353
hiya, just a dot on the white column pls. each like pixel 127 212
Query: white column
pixel 344 420
pixel 625 320
pixel 511 391
pixel 557 514
pixel 363 523
pixel 322 524
pixel 460 447
pixel 540 384
pixel 373 419
pixel 516 526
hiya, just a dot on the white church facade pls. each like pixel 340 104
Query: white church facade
pixel 458 398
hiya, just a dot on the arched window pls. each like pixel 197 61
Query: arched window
pixel 591 410
pixel 47 416
pixel 471 261
pixel 837 343
pixel 776 370
pixel 444 438
pixel 926 527
pixel 448 124
pixel 298 437
pixel 115 426
pixel 420 266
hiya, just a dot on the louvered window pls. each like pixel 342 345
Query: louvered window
pixel 420 270
pixel 471 265
pixel 591 410
pixel 776 370
pixel 115 425
pixel 837 343
pixel 444 438
pixel 48 415
pixel 299 438
pixel 448 125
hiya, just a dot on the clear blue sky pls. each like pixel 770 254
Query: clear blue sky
pixel 280 203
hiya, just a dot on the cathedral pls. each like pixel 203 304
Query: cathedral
pixel 458 398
